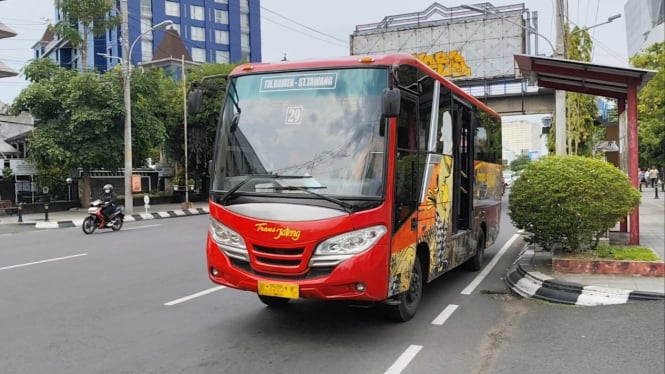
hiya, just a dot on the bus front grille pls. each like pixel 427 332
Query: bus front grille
pixel 289 257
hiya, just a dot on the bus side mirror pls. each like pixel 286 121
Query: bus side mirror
pixel 390 102
pixel 209 167
pixel 195 101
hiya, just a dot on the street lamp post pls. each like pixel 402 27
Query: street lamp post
pixel 127 73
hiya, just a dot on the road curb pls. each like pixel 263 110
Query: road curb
pixel 129 218
pixel 536 285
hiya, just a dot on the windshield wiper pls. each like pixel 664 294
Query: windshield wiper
pixel 347 207
pixel 235 188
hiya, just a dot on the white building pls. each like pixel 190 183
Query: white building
pixel 645 24
pixel 525 135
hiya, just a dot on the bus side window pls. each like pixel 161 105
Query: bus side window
pixel 407 174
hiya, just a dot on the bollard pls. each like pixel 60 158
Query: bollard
pixel 46 212
pixel 20 212
pixel 655 189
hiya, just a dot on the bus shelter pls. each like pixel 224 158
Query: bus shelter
pixel 601 80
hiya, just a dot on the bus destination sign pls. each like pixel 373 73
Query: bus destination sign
pixel 299 82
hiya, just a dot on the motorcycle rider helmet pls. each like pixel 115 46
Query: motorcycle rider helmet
pixel 108 188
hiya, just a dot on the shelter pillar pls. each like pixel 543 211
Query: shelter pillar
pixel 633 158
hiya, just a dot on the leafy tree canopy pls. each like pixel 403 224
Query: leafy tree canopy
pixel 80 116
pixel 92 16
pixel 519 163
pixel 651 106
pixel 202 126
pixel 581 110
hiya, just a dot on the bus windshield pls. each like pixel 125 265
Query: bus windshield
pixel 318 131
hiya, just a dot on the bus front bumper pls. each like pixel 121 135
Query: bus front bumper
pixel 363 277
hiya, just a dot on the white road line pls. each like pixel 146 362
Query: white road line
pixel 443 316
pixel 404 359
pixel 139 227
pixel 193 296
pixel 43 261
pixel 479 278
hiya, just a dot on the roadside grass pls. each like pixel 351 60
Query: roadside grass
pixel 617 252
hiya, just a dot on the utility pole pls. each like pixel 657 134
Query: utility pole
pixel 560 95
pixel 126 60
pixel 187 204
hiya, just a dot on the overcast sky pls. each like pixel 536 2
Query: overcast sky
pixel 304 29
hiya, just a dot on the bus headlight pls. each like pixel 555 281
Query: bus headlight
pixel 334 250
pixel 229 241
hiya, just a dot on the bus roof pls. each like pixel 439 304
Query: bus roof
pixel 358 60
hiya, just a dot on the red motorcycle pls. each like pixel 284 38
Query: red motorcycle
pixel 95 219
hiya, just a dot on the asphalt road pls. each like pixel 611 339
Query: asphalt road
pixel 139 301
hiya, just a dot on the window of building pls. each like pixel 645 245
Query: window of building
pixel 176 27
pixel 222 57
pixel 244 41
pixel 221 37
pixel 221 16
pixel 146 50
pixel 197 12
pixel 198 54
pixel 198 34
pixel 244 6
pixel 244 22
pixel 172 9
pixel 146 7
pixel 222 1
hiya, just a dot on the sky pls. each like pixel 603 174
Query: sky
pixel 306 29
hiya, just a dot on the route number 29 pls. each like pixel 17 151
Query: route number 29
pixel 294 115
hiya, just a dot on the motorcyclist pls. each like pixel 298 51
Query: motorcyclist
pixel 109 200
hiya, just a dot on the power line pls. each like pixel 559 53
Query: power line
pixel 298 31
pixel 304 26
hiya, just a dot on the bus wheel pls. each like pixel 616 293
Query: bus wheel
pixel 410 299
pixel 273 301
pixel 476 262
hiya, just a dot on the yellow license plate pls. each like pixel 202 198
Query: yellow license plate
pixel 290 291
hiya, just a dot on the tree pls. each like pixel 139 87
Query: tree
pixel 581 109
pixel 519 163
pixel 202 127
pixel 80 117
pixel 93 16
pixel 651 106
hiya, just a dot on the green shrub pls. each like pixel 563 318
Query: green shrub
pixel 569 201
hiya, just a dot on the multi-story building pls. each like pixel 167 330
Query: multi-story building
pixel 217 31
pixel 645 24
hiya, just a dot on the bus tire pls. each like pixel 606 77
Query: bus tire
pixel 475 263
pixel 273 301
pixel 410 299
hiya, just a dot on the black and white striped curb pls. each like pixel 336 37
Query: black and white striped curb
pixel 128 218
pixel 536 285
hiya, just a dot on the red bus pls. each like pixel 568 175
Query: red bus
pixel 358 179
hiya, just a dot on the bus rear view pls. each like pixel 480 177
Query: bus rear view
pixel 330 180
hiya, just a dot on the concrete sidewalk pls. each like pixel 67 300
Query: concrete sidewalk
pixel 74 217
pixel 531 275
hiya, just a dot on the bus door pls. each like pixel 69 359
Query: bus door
pixel 463 167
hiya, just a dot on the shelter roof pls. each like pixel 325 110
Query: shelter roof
pixel 583 77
